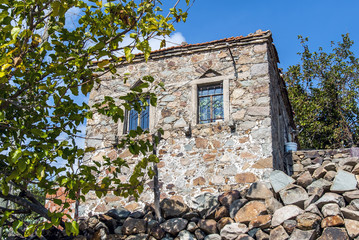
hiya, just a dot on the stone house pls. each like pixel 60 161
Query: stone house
pixel 224 111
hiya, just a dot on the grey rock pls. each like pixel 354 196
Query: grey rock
pixel 354 205
pixel 331 209
pixel 352 227
pixel 180 123
pixel 278 233
pixel 213 237
pixel 141 236
pixel 208 226
pixel 312 168
pixel 259 191
pixel 185 235
pixel 244 237
pixel 330 167
pixel 235 206
pixel 305 179
pixel 260 235
pixel 349 196
pixel 118 230
pixel 293 194
pixel 285 213
pixel 229 143
pixel 313 209
pixel 330 198
pixel 192 226
pixel 330 175
pixel 231 231
pixel 302 235
pixel 272 205
pixel 350 161
pixel 334 233
pixel 310 200
pixel 171 208
pixel 168 98
pixel 205 201
pixel 280 180
pixel 320 183
pixel 174 225
pixel 344 181
pixel 350 214
pixel 199 234
pixel 133 226
pixel 289 225
pixel 118 213
pixel 169 119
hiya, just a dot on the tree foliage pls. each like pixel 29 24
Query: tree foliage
pixel 46 69
pixel 323 90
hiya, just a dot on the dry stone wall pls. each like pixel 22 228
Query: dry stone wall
pixel 214 157
pixel 317 202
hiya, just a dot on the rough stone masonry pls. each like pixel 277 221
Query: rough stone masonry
pixel 212 157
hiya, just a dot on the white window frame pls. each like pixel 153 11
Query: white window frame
pixel 208 81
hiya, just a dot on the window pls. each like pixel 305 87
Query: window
pixel 135 119
pixel 210 103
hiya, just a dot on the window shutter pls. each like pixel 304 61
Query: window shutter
pixel 133 120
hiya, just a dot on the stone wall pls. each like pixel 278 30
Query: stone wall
pixel 320 201
pixel 215 157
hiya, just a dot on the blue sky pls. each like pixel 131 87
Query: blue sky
pixel 321 21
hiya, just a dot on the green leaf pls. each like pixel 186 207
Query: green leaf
pixel 75 228
pixel 14 32
pixel 16 225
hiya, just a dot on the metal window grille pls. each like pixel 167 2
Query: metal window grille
pixel 210 103
pixel 134 119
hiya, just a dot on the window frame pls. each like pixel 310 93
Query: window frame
pixel 212 100
pixel 127 124
pixel 210 81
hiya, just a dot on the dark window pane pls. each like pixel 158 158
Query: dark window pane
pixel 219 90
pixel 145 118
pixel 133 120
pixel 218 107
pixel 204 109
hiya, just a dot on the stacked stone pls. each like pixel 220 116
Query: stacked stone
pixel 318 202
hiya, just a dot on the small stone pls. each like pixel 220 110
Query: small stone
pixel 235 206
pixel 293 194
pixel 311 168
pixel 133 226
pixel 227 198
pixel 208 226
pixel 174 225
pixel 272 205
pixel 313 209
pixel 260 235
pixel 334 233
pixel 244 237
pixel 171 208
pixel 199 234
pixel 157 232
pixel 312 199
pixel 349 214
pixel 356 169
pixel 221 212
pixel 278 233
pixel 320 184
pixel 213 237
pixel 141 236
pixel 319 172
pixel 205 201
pixel 330 209
pixel 354 205
pixel 231 231
pixel 259 191
pixel 223 222
pixel 289 225
pixel 330 167
pixel 280 180
pixel 246 177
pixel 330 198
pixel 305 179
pixel 262 221
pixel 350 161
pixel 285 213
pixel 192 226
pixel 330 175
pixel 180 123
pixel 332 221
pixel 185 235
pixel 250 211
pixel 308 221
pixel 118 213
pixel 302 235
pixel 349 196
pixel 344 181
pixel 352 227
